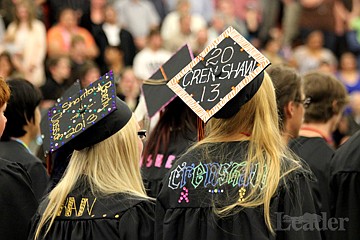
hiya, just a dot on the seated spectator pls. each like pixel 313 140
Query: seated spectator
pixel 128 88
pixel 78 57
pixel 139 17
pixel 348 72
pixel 17 200
pixel 148 60
pixel 114 59
pixel 309 56
pixel 59 37
pixel 59 71
pixel 23 126
pixel 171 24
pixel 7 68
pixel 26 41
pixel 88 73
pixel 110 33
pixel 185 35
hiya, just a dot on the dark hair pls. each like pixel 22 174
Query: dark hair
pixel 177 116
pixel 327 95
pixel 287 83
pixel 20 110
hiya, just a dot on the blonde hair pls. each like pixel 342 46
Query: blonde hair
pixel 259 118
pixel 117 171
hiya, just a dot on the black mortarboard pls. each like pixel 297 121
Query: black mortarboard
pixel 84 117
pixel 222 78
pixel 157 94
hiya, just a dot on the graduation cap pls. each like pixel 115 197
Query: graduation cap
pixel 222 78
pixel 157 94
pixel 84 117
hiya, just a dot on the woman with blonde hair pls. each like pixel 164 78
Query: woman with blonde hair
pixel 240 181
pixel 101 195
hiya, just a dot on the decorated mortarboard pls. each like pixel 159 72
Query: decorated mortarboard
pixel 222 78
pixel 84 117
pixel 157 94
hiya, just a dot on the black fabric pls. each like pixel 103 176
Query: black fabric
pixel 105 128
pixel 345 191
pixel 15 152
pixel 234 105
pixel 317 154
pixel 195 184
pixel 17 201
pixel 118 216
pixel 52 90
pixel 155 168
pixel 127 45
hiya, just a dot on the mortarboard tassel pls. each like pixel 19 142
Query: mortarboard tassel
pixel 200 129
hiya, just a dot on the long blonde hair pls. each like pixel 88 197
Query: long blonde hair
pixel 259 118
pixel 111 166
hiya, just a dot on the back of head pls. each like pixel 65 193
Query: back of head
pixel 327 95
pixel 112 165
pixel 287 83
pixel 260 111
pixel 24 100
pixel 177 117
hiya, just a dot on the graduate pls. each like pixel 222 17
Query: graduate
pixel 344 188
pixel 101 195
pixel 239 181
pixel 17 200
pixel 176 129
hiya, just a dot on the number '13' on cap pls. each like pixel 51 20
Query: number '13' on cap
pixel 222 70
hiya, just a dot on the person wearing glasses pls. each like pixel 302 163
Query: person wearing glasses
pixel 290 100
pixel 326 98
pixel 101 195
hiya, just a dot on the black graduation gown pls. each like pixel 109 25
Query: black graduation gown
pixel 345 190
pixel 317 154
pixel 84 216
pixel 194 185
pixel 17 201
pixel 14 151
pixel 155 168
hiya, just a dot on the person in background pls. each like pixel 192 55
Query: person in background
pixel 23 127
pixel 102 178
pixel 128 88
pixel 290 100
pixel 129 13
pixel 114 60
pixel 88 73
pixel 112 34
pixel 78 57
pixel 7 68
pixel 59 36
pixel 17 200
pixel 59 71
pixel 326 98
pixel 309 56
pixel 26 41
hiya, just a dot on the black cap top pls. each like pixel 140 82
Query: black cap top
pixel 85 118
pixel 228 66
pixel 157 94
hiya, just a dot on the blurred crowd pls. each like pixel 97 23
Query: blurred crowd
pixel 54 43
